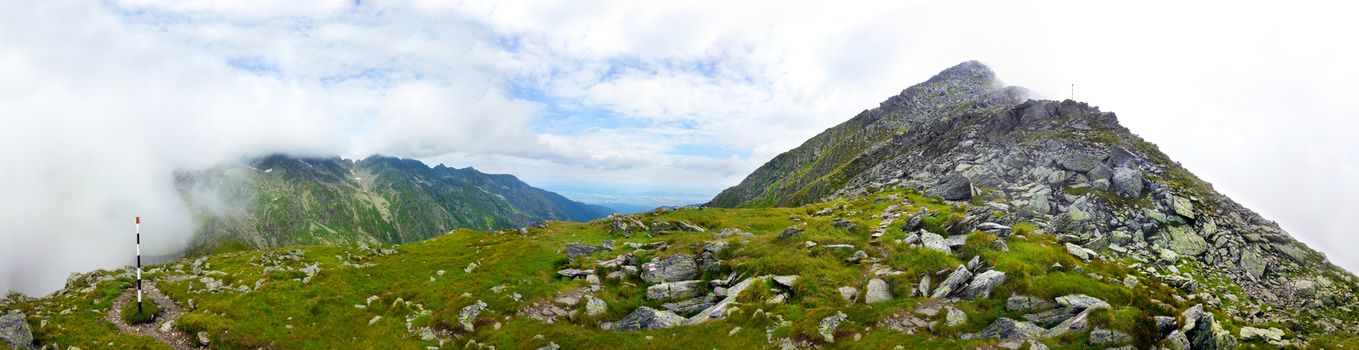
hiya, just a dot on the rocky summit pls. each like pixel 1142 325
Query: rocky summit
pixel 958 214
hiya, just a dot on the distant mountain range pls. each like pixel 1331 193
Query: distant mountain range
pixel 281 200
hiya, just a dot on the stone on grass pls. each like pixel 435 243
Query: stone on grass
pixel 877 291
pixel 645 318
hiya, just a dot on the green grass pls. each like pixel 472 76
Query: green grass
pixel 146 314
pixel 286 312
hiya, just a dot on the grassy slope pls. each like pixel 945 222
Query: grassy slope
pixel 322 315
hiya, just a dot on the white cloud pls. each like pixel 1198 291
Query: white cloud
pixel 102 100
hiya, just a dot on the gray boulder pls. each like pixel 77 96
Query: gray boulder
pixel 933 241
pixel 578 249
pixel 676 267
pixel 14 331
pixel 673 290
pixel 1185 241
pixel 952 283
pixel 954 188
pixel 790 232
pixel 1022 303
pixel 1006 328
pixel 1252 333
pixel 1082 302
pixel 645 318
pixel 982 284
pixel 467 317
pixel 828 325
pixel 877 291
pixel 1080 163
pixel 1103 337
pixel 1127 182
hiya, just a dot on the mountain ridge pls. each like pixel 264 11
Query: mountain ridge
pixel 280 200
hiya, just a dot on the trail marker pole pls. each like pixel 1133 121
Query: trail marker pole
pixel 139 264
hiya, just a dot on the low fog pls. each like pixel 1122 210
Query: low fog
pixel 102 102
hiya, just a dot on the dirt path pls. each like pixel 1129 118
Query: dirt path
pixel 169 311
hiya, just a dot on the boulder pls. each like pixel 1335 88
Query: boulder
pixel 790 232
pixel 578 249
pixel 467 317
pixel 1101 172
pixel 1305 289
pixel 954 317
pixel 952 283
pixel 828 325
pixel 953 188
pixel 1182 206
pixel 645 318
pixel 574 273
pixel 673 290
pixel 933 241
pixel 14 331
pixel 1253 263
pixel 1105 337
pixel 1127 182
pixel 1006 328
pixel 982 284
pixel 1185 241
pixel 1251 333
pixel 786 281
pixel 1176 341
pixel 1206 333
pixel 673 268
pixel 1022 303
pixel 1078 251
pixel 595 306
pixel 1080 163
pixel 1082 302
pixel 877 291
pixel 915 222
pixel 850 294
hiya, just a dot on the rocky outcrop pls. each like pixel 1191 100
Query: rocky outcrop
pixel 14 331
pixel 673 268
pixel 645 318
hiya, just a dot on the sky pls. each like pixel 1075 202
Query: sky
pixel 650 103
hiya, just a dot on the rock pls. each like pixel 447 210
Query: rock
pixel 1080 163
pixel 1006 328
pixel 731 231
pixel 550 346
pixel 1077 323
pixel 374 320
pixel 1082 302
pixel 167 326
pixel 982 284
pixel 1205 332
pixel 828 325
pixel 790 232
pixel 1251 333
pixel 674 268
pixel 1169 256
pixel 1101 172
pixel 877 291
pixel 645 318
pixel 14 330
pixel 1304 289
pixel 1102 337
pixel 1130 281
pixel 467 317
pixel 1127 182
pixel 787 281
pixel 952 283
pixel 1165 324
pixel 574 273
pixel 857 257
pixel 595 306
pixel 1052 316
pixel 203 339
pixel 924 288
pixel 673 290
pixel 954 317
pixel 933 241
pixel 1184 241
pixel 1182 206
pixel 914 223
pixel 1176 341
pixel 1078 251
pixel 954 188
pixel 1253 263
pixel 992 227
pixel 578 249
pixel 850 294
pixel 1022 303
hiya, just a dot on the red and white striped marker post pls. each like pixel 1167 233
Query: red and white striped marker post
pixel 139 264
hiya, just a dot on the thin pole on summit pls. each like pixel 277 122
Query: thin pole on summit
pixel 1073 92
pixel 139 264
